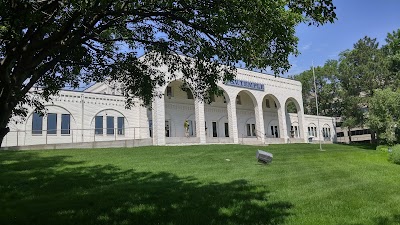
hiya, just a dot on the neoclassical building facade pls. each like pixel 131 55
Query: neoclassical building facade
pixel 252 110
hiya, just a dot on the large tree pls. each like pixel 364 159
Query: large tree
pixel 361 70
pixel 384 115
pixel 54 43
pixel 327 89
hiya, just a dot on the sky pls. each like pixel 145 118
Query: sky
pixel 356 19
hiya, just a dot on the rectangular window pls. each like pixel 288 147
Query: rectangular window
pixel 248 130
pixel 267 103
pixel 52 123
pixel 315 132
pixel 65 123
pixel 276 131
pixel 167 134
pixel 296 132
pixel 191 128
pixel 272 130
pixel 121 125
pixel 189 94
pixel 169 92
pixel 37 123
pixel 309 131
pixel 98 120
pixel 151 128
pixel 226 130
pixel 110 125
pixel 253 129
pixel 214 127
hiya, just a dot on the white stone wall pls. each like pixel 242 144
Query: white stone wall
pixel 81 120
pixel 102 99
pixel 324 122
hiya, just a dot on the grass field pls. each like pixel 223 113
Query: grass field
pixel 198 185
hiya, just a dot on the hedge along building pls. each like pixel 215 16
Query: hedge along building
pixel 252 110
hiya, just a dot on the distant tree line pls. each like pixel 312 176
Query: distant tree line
pixel 361 87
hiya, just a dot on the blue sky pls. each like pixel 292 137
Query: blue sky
pixel 356 19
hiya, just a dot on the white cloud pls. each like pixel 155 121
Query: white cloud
pixel 306 47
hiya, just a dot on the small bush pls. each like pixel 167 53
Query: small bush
pixel 382 148
pixel 394 155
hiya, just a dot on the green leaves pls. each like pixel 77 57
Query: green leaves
pixel 384 114
pixel 52 44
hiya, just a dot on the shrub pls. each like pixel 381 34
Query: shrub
pixel 382 148
pixel 394 155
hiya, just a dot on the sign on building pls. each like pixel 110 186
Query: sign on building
pixel 245 84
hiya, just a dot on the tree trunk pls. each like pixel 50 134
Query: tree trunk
pixel 4 118
pixel 373 137
pixel 3 133
pixel 349 133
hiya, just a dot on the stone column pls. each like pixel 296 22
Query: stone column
pixel 302 125
pixel 232 118
pixel 282 123
pixel 158 113
pixel 258 111
pixel 200 120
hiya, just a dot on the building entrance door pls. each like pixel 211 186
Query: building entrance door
pixel 167 128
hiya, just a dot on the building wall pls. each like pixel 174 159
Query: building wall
pixel 82 120
pixel 169 113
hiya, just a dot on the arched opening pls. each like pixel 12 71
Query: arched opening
pixel 56 125
pixel 245 112
pixel 312 130
pixel 216 118
pixel 179 110
pixel 109 124
pixel 293 111
pixel 326 132
pixel 270 106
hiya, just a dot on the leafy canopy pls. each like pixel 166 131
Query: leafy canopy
pixel 384 114
pixel 56 43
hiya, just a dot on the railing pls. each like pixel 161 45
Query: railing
pixel 58 136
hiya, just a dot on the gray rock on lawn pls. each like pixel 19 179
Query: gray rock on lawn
pixel 264 157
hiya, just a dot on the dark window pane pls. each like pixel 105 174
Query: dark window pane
pixel 37 123
pixel 121 125
pixel 110 125
pixel 52 123
pixel 226 130
pixel 189 94
pixel 253 129
pixel 65 124
pixel 169 91
pixel 151 128
pixel 214 127
pixel 98 125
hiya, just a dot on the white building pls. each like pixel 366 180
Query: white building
pixel 253 110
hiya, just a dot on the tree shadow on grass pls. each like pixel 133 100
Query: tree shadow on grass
pixel 53 190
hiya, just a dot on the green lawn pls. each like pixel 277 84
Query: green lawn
pixel 198 185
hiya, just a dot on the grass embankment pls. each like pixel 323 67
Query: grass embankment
pixel 198 185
